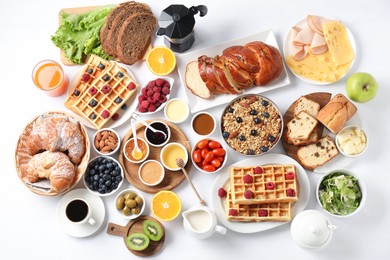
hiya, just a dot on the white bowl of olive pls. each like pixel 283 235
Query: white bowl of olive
pixel 130 203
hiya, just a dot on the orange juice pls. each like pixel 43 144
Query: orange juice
pixel 49 76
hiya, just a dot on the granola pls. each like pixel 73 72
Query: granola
pixel 251 125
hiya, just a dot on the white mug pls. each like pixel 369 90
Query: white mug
pixel 78 211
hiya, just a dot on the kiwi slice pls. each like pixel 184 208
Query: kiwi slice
pixel 137 241
pixel 152 229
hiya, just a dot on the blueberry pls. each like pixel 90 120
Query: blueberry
pixel 93 103
pixel 76 92
pixel 271 138
pixel 96 177
pixel 250 152
pixel 106 78
pixel 264 149
pixel 225 134
pixel 253 112
pixel 120 74
pixel 101 66
pixel 257 120
pixel 95 183
pixel 92 172
pixel 108 183
pixel 230 109
pixel 102 168
pixel 242 138
pixel 264 103
pixel 101 180
pixel 100 159
pixel 90 70
pixel 266 114
pixel 118 100
pixel 254 132
pixel 119 178
pixel 124 107
pixel 239 120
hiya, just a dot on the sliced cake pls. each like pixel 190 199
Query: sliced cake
pixel 300 128
pixel 309 106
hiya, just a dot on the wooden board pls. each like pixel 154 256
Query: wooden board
pixel 135 226
pixel 172 178
pixel 80 10
pixel 322 98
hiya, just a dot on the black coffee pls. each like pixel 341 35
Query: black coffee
pixel 76 210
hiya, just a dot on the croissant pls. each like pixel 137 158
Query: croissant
pixel 54 166
pixel 238 68
pixel 57 134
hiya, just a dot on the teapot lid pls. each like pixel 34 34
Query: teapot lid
pixel 177 21
pixel 311 228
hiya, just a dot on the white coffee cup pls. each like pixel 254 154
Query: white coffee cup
pixel 78 211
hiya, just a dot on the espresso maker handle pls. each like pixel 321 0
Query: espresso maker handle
pixel 202 9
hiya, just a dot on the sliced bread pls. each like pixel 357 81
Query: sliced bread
pixel 309 106
pixel 300 128
pixel 194 82
pixel 315 155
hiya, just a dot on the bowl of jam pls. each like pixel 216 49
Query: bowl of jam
pixel 157 139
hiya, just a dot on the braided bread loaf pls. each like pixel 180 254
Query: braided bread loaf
pixel 238 68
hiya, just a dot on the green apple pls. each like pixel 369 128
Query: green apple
pixel 361 87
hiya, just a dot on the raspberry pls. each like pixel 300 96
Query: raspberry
pixel 142 109
pixel 92 91
pixel 248 178
pixel 157 89
pixel 141 98
pixel 157 104
pixel 151 84
pixel 131 86
pixel 222 193
pixel 258 170
pixel 106 89
pixel 152 108
pixel 144 90
pixel 163 99
pixel 159 82
pixel 167 85
pixel 248 194
pixel 233 212
pixel 270 186
pixel 115 117
pixel 149 93
pixel 150 99
pixel 105 114
pixel 145 104
pixel 290 176
pixel 290 192
pixel 263 213
pixel 165 91
pixel 156 96
pixel 85 77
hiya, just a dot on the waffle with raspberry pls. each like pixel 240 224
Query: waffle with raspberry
pixel 273 211
pixel 263 184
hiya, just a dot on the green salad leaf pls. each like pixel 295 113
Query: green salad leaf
pixel 79 34
pixel 340 194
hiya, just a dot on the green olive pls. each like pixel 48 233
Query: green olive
pixel 138 200
pixel 120 202
pixel 130 203
pixel 126 211
pixel 130 195
pixel 135 211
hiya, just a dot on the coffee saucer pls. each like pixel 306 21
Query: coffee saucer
pixel 81 230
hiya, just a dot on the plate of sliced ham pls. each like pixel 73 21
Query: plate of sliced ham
pixel 319 50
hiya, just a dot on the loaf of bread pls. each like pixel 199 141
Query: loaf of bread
pixel 315 155
pixel 238 68
pixel 336 113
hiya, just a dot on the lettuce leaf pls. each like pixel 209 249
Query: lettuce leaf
pixel 79 34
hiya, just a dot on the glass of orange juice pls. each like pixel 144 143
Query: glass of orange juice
pixel 49 76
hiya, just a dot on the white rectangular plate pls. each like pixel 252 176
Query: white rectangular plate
pixel 196 103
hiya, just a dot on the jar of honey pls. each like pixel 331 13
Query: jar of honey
pixel 49 76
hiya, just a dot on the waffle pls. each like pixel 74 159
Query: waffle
pixel 274 211
pixel 270 184
pixel 104 96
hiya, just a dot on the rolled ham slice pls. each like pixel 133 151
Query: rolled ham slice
pixel 318 45
pixel 315 23
pixel 304 36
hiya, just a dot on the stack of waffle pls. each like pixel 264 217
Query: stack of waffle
pixel 262 193
pixel 101 90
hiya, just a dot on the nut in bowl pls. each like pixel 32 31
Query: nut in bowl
pixel 209 155
pixel 157 139
pixel 153 97
pixel 351 141
pixel 130 203
pixel 251 124
pixel 106 141
pixel 341 193
pixel 129 147
pixel 104 176
pixel 151 172
pixel 170 153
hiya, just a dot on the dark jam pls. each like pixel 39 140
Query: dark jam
pixel 157 138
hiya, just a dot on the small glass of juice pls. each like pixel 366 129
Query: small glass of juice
pixel 49 76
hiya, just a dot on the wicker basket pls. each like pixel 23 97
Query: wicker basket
pixel 22 157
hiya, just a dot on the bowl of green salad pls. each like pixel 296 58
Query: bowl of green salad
pixel 341 193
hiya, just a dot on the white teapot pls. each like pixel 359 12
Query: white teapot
pixel 201 222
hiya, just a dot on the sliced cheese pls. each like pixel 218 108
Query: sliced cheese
pixel 338 42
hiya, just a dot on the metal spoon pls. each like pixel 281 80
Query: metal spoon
pixel 180 163
pixel 136 153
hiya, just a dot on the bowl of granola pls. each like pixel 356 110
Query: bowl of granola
pixel 251 125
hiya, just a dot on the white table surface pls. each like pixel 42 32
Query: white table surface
pixel 29 228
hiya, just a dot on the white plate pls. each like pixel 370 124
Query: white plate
pixel 171 81
pixel 82 230
pixel 252 227
pixel 288 39
pixel 198 104
pixel 125 114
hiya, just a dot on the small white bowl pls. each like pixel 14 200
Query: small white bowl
pixel 144 157
pixel 361 187
pixel 193 120
pixel 88 174
pixel 100 134
pixel 147 130
pixel 160 169
pixel 166 151
pixel 131 216
pixel 196 164
pixel 352 136
pixel 177 110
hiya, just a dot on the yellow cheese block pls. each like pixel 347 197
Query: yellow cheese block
pixel 318 67
pixel 338 42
